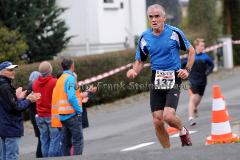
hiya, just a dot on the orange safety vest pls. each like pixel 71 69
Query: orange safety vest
pixel 60 103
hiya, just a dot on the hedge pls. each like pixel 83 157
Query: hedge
pixel 109 89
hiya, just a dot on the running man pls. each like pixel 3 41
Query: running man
pixel 202 67
pixel 162 43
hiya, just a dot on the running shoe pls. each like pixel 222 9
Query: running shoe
pixel 185 139
pixel 192 122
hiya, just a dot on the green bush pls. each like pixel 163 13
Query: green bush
pixel 41 23
pixel 203 20
pixel 12 45
pixel 109 89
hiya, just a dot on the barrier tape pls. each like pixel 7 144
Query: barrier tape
pixel 236 42
pixel 104 75
pixel 116 70
pixel 214 47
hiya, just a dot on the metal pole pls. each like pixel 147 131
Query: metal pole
pixel 131 36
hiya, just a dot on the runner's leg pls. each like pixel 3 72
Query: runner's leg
pixel 170 117
pixel 161 132
pixel 193 103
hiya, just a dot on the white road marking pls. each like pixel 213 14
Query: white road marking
pixel 137 146
pixel 177 135
pixel 150 143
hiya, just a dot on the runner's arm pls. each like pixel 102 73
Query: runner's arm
pixel 210 65
pixel 184 73
pixel 137 67
pixel 191 57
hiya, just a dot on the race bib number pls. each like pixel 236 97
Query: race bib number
pixel 164 79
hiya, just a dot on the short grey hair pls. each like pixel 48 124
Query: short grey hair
pixel 158 6
pixel 34 76
pixel 45 68
pixel 2 72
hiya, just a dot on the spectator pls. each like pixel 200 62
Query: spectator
pixel 90 96
pixel 32 112
pixel 67 106
pixel 50 137
pixel 86 95
pixel 12 104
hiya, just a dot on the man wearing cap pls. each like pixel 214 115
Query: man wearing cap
pixel 50 137
pixel 12 104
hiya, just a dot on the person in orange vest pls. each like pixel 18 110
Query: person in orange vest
pixel 67 109
pixel 86 96
pixel 88 93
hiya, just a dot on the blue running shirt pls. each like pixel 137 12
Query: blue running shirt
pixel 163 49
pixel 202 67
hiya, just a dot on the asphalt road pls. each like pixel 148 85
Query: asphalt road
pixel 124 130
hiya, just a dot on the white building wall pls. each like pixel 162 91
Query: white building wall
pixel 100 27
pixel 139 16
pixel 92 22
pixel 112 25
pixel 80 17
pixel 111 22
pixel 73 17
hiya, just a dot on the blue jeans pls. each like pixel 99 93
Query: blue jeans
pixel 50 137
pixel 9 148
pixel 72 135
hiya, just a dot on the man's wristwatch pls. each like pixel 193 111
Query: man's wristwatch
pixel 188 69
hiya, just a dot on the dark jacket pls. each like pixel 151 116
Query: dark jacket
pixel 33 112
pixel 11 120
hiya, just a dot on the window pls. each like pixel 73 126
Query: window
pixel 110 5
pixel 121 5
pixel 108 1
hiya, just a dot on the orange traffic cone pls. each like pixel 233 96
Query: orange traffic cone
pixel 226 108
pixel 221 129
pixel 172 130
